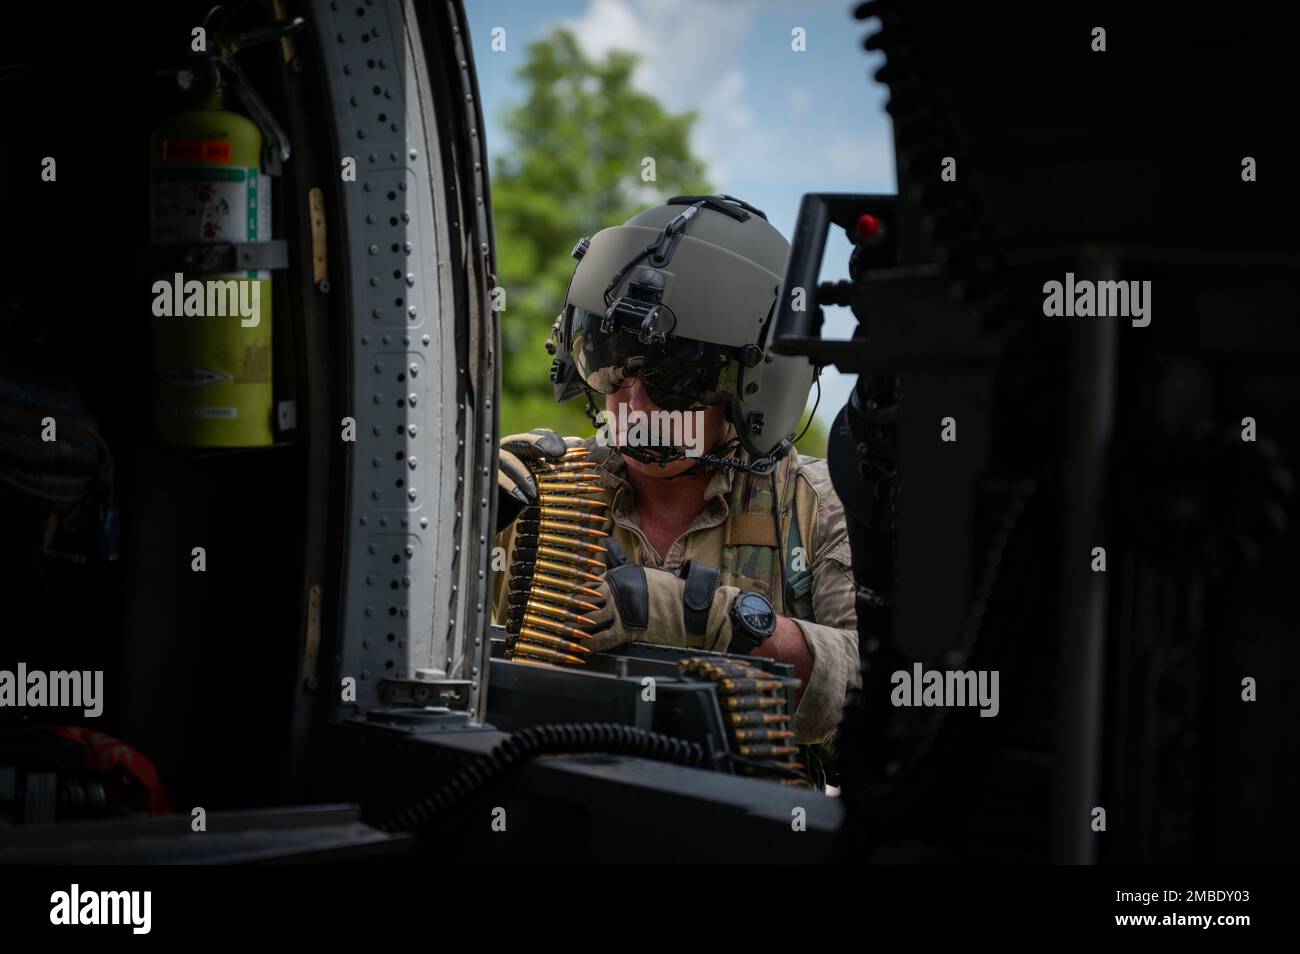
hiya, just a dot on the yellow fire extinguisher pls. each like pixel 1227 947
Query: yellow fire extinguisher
pixel 212 384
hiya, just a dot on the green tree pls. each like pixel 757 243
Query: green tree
pixel 579 138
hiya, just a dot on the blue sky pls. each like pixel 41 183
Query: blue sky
pixel 773 124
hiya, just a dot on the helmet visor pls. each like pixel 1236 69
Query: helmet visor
pixel 678 373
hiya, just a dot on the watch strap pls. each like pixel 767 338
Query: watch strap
pixel 697 595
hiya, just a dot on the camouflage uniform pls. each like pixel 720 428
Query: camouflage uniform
pixel 735 532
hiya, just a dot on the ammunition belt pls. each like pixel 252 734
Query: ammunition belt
pixel 556 559
pixel 753 704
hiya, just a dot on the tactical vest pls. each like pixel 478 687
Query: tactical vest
pixel 750 541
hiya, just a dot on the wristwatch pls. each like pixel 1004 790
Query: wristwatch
pixel 752 621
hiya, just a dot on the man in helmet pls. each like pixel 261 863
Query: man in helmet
pixel 742 548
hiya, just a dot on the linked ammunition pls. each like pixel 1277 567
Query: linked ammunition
pixel 740 703
pixel 568 595
pixel 733 686
pixel 524 568
pixel 564 488
pixel 528 635
pixel 547 655
pixel 555 626
pixel 551 539
pixel 766 750
pixel 554 562
pixel 551 600
pixel 568 516
pixel 556 584
pixel 756 718
pixel 571 501
pixel 762 735
pixel 567 477
pixel 554 554
pixel 533 527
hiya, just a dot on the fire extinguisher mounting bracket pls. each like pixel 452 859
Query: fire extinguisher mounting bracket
pixel 211 258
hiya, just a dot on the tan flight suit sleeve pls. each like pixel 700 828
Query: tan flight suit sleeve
pixel 833 637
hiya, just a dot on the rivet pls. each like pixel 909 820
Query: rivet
pixel 410 551
pixel 424 521
pixel 370 219
pixel 425 340
pixel 411 399
pixel 377 463
pixel 374 250
pixel 379 399
pixel 374 494
pixel 413 154
pixel 410 495
pixel 406 247
pixel 414 369
pixel 410 280
pixel 413 311
pixel 374 281
pixel 366 186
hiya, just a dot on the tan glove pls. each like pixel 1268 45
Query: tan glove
pixel 516 488
pixel 654 606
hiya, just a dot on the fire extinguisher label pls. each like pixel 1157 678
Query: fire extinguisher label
pixel 190 377
pixel 189 151
pixel 206 205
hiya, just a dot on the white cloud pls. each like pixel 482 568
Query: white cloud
pixel 682 44
pixel 799 100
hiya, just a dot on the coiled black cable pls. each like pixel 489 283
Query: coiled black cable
pixel 583 738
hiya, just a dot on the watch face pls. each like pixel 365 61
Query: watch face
pixel 756 614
